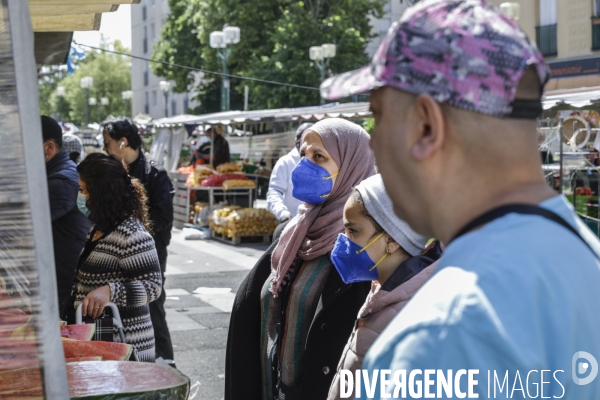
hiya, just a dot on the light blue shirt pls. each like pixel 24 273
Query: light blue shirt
pixel 520 294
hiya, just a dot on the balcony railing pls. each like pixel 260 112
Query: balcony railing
pixel 595 33
pixel 545 37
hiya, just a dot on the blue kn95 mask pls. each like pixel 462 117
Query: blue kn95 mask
pixel 352 261
pixel 312 183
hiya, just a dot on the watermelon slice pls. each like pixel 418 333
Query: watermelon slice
pixel 17 354
pixel 106 350
pixel 102 380
pixel 78 359
pixel 78 331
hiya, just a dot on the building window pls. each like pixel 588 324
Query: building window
pixel 146 73
pixel 384 26
pixel 147 104
pixel 174 104
pixel 387 7
pixel 545 34
pixel 144 13
pixel 154 99
pixel 186 103
pixel 145 39
pixel 153 32
pixel 596 26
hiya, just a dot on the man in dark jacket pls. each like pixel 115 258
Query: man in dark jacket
pixel 221 148
pixel 69 226
pixel 121 138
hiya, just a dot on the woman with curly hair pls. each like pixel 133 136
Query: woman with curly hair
pixel 119 262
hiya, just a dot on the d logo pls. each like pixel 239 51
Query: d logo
pixel 582 367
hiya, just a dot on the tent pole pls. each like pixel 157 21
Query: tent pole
pixel 50 350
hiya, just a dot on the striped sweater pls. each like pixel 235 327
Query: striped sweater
pixel 126 260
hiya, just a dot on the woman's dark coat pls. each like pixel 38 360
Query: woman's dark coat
pixel 330 329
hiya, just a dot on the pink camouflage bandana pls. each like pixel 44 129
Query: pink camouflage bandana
pixel 465 53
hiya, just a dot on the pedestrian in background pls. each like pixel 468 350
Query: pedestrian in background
pixel 377 246
pixel 279 196
pixel 74 146
pixel 119 262
pixel 69 225
pixel 122 139
pixel 293 313
pixel 220 147
pixel 516 290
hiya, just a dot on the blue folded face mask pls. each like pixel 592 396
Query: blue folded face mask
pixel 312 183
pixel 352 261
pixel 82 204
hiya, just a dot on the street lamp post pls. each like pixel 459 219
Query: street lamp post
pixel 127 95
pixel 92 101
pixel 104 101
pixel 165 86
pixel 223 41
pixel 60 91
pixel 321 56
pixel 86 83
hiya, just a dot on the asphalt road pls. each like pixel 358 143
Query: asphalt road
pixel 198 318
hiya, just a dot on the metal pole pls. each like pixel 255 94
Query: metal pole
pixel 560 136
pixel 87 106
pixel 321 66
pixel 224 81
pixel 16 34
pixel 166 103
pixel 212 144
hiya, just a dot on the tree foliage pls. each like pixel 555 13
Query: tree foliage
pixel 112 75
pixel 275 39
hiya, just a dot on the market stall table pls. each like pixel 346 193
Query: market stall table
pixel 102 380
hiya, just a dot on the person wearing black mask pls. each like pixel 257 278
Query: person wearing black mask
pixel 69 226
pixel 122 139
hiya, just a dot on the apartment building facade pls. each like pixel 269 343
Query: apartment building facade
pixel 567 32
pixel 147 20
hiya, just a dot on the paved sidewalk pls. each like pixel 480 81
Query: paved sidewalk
pixel 198 322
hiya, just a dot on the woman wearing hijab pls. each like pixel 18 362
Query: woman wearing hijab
pixel 293 313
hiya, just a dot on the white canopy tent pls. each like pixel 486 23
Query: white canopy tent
pixel 169 138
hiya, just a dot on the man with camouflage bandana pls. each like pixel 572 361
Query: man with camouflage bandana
pixel 455 91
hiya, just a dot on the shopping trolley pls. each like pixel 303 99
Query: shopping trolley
pixel 116 316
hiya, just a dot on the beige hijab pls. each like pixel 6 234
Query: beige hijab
pixel 312 233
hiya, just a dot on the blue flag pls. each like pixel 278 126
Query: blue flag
pixel 72 52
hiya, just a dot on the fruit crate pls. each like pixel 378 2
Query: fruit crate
pixel 237 240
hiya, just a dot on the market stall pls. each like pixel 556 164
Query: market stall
pixel 569 145
pixel 40 357
pixel 257 139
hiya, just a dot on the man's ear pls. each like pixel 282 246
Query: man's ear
pixel 431 126
pixel 51 147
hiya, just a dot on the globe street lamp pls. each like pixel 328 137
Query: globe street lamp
pixel 321 56
pixel 104 101
pixel 165 86
pixel 127 95
pixel 512 10
pixel 223 41
pixel 60 91
pixel 86 83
